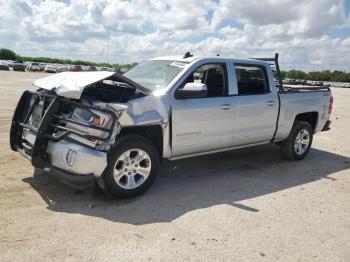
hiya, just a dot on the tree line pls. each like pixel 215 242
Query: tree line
pixel 326 75
pixel 7 54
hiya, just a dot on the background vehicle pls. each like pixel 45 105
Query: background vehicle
pixel 4 66
pixel 75 68
pixel 42 66
pixel 103 69
pixel 198 76
pixel 34 67
pixel 89 68
pixel 116 129
pixel 50 68
pixel 18 66
pixel 55 68
pixel 123 70
pixel 61 68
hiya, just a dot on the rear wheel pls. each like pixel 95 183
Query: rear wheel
pixel 298 144
pixel 132 167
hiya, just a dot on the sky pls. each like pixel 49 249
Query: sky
pixel 308 34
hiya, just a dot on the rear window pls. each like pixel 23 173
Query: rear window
pixel 251 79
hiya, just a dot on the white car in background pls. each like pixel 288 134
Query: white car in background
pixel 103 69
pixel 34 66
pixel 50 68
pixel 55 68
pixel 123 70
pixel 61 68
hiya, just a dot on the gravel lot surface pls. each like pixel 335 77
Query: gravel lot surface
pixel 244 205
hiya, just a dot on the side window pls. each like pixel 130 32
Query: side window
pixel 213 75
pixel 251 79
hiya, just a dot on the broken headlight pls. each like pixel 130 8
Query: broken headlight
pixel 91 117
pixel 93 123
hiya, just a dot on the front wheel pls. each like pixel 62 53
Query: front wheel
pixel 298 144
pixel 132 167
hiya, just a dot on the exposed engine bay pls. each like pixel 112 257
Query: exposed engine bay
pixel 85 107
pixel 109 91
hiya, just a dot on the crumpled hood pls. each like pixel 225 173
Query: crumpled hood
pixel 72 84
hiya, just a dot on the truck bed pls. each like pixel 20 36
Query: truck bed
pixel 303 88
pixel 296 101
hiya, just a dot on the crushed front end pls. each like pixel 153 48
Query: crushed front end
pixel 65 137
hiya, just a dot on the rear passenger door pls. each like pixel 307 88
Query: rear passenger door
pixel 256 105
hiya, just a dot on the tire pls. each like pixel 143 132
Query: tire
pixel 295 147
pixel 132 166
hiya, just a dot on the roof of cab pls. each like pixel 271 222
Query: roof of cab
pixel 193 58
pixel 177 58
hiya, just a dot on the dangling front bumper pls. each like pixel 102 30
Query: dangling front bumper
pixel 34 134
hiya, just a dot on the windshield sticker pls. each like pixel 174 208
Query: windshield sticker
pixel 178 64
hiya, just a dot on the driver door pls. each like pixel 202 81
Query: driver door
pixel 205 123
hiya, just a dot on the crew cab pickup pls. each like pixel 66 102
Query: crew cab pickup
pixel 114 129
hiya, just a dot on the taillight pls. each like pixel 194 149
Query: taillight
pixel 330 108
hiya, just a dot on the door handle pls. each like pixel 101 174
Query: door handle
pixel 226 106
pixel 270 103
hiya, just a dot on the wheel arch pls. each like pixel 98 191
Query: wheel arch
pixel 152 132
pixel 309 117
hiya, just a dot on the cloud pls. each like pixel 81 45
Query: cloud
pixel 310 18
pixel 139 29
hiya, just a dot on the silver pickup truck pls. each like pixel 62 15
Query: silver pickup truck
pixel 114 129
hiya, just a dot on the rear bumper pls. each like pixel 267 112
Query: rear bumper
pixel 327 126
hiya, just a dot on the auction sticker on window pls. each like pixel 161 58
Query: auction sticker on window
pixel 178 64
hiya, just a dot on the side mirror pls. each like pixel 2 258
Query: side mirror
pixel 192 90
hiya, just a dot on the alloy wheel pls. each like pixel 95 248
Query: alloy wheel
pixel 132 168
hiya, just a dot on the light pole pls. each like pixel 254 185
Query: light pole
pixel 107 50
